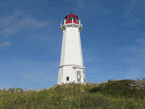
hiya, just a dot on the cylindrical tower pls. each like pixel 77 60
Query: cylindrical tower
pixel 71 67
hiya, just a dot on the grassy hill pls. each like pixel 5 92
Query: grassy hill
pixel 120 94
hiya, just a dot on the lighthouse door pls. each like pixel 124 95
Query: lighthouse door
pixel 78 76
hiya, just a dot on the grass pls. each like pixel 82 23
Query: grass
pixel 109 95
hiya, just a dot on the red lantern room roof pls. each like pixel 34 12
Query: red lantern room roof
pixel 70 17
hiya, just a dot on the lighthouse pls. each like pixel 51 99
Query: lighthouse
pixel 71 68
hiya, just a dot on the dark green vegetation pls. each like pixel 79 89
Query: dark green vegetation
pixel 121 94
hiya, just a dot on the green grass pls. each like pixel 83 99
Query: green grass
pixel 109 95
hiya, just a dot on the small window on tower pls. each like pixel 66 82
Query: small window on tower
pixel 67 78
pixel 78 76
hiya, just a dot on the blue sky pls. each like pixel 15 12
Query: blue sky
pixel 113 40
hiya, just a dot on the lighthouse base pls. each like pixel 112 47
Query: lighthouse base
pixel 71 73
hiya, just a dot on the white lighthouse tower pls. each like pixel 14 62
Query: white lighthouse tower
pixel 71 67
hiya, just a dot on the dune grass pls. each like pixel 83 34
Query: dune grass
pixel 109 95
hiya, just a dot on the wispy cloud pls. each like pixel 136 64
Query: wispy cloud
pixel 135 59
pixel 138 50
pixel 134 13
pixel 87 53
pixel 130 7
pixel 92 8
pixel 31 76
pixel 12 79
pixel 18 21
pixel 5 44
pixel 134 73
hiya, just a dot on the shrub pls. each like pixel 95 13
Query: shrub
pixel 94 90
pixel 118 88
pixel 19 90
pixel 11 90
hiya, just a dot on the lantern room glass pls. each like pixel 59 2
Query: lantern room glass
pixel 70 19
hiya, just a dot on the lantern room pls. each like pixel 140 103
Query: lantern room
pixel 71 19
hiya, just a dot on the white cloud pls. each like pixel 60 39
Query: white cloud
pixel 4 44
pixel 17 21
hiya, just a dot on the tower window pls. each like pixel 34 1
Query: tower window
pixel 78 76
pixel 67 78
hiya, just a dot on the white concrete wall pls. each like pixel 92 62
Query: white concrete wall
pixel 63 48
pixel 69 71
pixel 71 54
pixel 71 48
